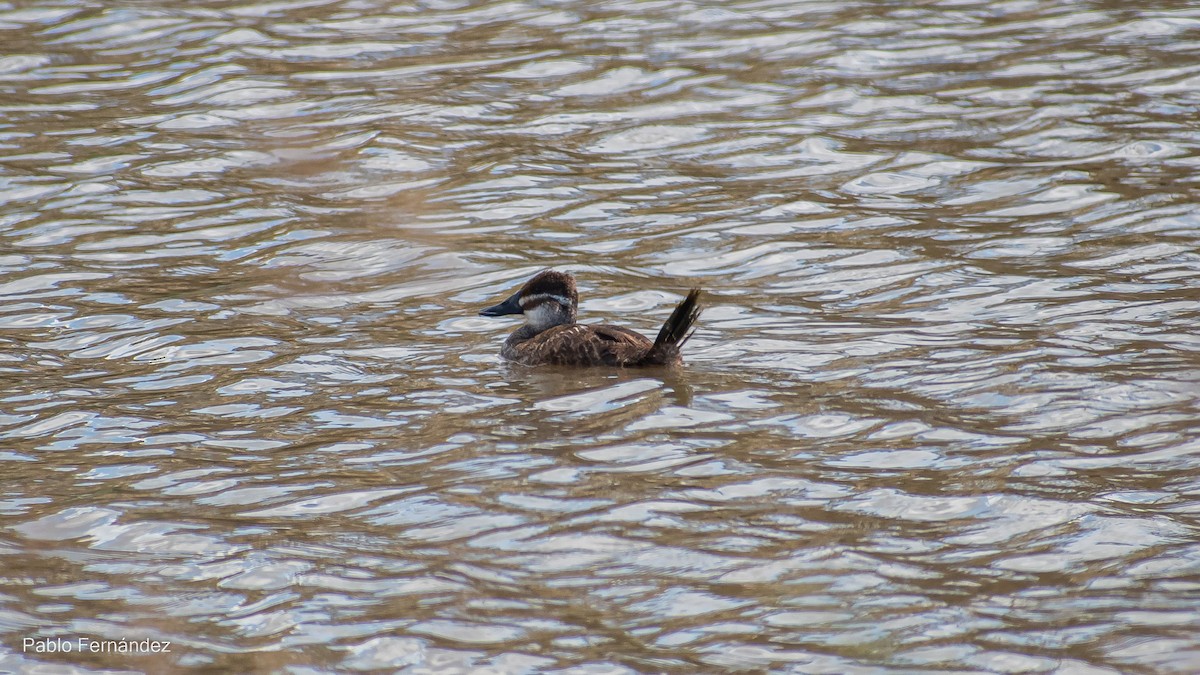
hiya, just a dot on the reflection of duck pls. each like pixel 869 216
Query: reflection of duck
pixel 550 335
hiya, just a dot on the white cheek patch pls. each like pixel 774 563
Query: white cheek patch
pixel 538 297
pixel 546 315
pixel 542 315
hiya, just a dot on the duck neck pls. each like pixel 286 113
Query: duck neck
pixel 522 334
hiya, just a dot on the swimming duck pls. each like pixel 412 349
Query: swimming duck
pixel 550 335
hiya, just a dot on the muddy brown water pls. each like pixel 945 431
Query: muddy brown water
pixel 941 413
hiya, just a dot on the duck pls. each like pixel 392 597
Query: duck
pixel 550 336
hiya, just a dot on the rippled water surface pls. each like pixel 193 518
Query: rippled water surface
pixel 940 414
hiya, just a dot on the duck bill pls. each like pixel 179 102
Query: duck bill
pixel 509 306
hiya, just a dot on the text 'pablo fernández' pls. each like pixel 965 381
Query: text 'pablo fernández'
pixel 87 645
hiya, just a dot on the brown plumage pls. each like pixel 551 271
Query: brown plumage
pixel 550 335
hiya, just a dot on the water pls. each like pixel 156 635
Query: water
pixel 940 414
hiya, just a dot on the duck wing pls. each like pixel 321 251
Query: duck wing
pixel 584 345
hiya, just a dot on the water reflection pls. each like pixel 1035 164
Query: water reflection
pixel 939 414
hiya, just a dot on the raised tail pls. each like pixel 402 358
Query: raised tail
pixel 676 331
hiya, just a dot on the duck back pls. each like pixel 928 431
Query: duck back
pixel 579 345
